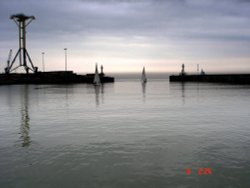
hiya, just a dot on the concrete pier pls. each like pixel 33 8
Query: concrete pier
pixel 214 78
pixel 53 77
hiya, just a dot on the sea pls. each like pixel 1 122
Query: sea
pixel 125 135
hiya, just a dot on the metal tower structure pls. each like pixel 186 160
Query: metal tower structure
pixel 22 21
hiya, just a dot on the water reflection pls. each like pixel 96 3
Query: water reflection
pixel 99 89
pixel 25 119
pixel 67 95
pixel 102 93
pixel 144 91
pixel 180 88
pixel 183 92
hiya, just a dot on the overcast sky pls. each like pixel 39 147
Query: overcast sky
pixel 125 35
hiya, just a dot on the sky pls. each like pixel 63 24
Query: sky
pixel 125 35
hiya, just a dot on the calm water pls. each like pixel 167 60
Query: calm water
pixel 125 135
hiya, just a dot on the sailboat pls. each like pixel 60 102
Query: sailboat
pixel 143 76
pixel 96 81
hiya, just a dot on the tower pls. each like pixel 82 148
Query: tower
pixel 182 69
pixel 22 21
pixel 102 70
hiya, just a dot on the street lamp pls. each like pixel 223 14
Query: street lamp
pixel 43 61
pixel 65 49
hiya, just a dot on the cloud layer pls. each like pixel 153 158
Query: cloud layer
pixel 124 33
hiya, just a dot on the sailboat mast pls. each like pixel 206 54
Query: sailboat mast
pixel 143 77
pixel 96 77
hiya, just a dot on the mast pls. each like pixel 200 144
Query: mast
pixel 97 77
pixel 143 76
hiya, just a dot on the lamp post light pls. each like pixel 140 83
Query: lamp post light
pixel 65 49
pixel 43 61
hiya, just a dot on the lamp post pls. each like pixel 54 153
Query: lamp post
pixel 65 49
pixel 43 61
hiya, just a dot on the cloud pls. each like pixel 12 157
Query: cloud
pixel 179 28
pixel 142 17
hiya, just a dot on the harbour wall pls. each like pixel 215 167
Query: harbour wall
pixel 214 78
pixel 53 77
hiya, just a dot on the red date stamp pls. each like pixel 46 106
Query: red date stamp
pixel 200 171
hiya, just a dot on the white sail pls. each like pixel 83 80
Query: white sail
pixel 143 76
pixel 97 77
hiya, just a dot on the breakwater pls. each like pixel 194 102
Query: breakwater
pixel 53 77
pixel 215 78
